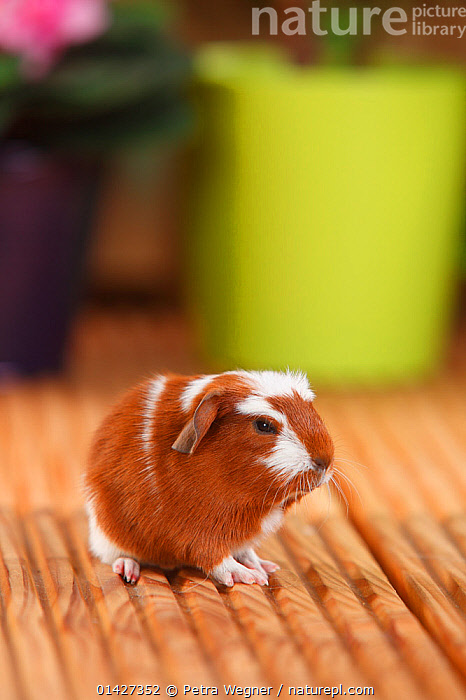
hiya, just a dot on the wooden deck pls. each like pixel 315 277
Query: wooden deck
pixel 372 594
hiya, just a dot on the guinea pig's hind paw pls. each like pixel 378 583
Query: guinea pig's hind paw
pixel 128 569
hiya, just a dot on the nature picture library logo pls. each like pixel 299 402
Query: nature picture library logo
pixel 420 20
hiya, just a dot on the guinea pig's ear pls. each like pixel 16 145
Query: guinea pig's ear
pixel 194 431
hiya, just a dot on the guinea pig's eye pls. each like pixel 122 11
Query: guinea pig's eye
pixel 263 426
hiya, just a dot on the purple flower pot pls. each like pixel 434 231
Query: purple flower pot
pixel 45 208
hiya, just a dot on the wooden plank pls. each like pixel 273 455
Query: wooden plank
pixel 216 631
pixel 408 575
pixel 402 564
pixel 39 668
pixel 427 466
pixel 276 650
pixel 167 627
pixel 441 557
pixel 455 525
pixel 441 430
pixel 31 478
pixel 11 683
pixel 132 653
pixel 158 610
pixel 418 650
pixel 325 653
pixel 364 639
pixel 81 646
pixel 425 477
pixel 63 451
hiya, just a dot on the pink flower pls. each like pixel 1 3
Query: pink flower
pixel 39 30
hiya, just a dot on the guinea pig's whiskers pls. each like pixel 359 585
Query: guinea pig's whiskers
pixel 352 463
pixel 341 492
pixel 329 500
pixel 304 487
pixel 297 491
pixel 195 585
pixel 307 483
pixel 289 487
pixel 301 488
pixel 267 493
pixel 338 441
pixel 306 501
pixel 265 497
pixel 293 491
pixel 350 483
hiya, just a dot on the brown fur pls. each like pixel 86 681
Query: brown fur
pixel 307 424
pixel 198 507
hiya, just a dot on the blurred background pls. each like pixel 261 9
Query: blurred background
pixel 262 201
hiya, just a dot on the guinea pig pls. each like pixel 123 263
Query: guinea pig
pixel 194 471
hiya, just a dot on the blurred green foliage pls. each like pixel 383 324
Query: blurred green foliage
pixel 126 87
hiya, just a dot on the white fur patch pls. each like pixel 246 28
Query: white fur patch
pixel 272 521
pixel 269 383
pixel 289 457
pixel 193 389
pixel 99 544
pixel 258 406
pixel 154 390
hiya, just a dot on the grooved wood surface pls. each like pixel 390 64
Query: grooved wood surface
pixel 372 587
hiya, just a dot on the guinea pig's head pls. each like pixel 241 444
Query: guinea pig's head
pixel 257 430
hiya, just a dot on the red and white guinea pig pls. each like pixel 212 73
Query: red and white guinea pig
pixel 195 470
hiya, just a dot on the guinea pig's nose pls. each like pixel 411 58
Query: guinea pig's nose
pixel 320 464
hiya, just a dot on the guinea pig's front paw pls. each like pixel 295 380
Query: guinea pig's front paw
pixel 230 571
pixel 127 568
pixel 249 558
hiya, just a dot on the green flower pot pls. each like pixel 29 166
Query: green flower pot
pixel 326 215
